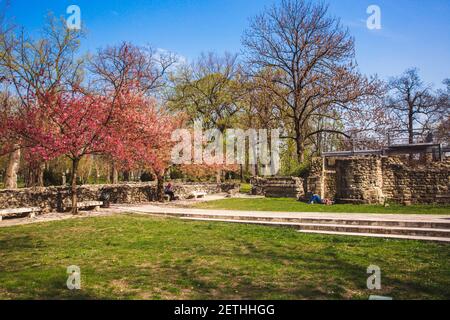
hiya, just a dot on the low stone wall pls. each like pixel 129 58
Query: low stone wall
pixel 185 189
pixel 278 187
pixel 52 198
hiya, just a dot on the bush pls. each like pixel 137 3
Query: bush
pixel 147 177
pixel 176 173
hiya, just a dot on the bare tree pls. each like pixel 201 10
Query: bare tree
pixel 412 103
pixel 115 67
pixel 312 56
pixel 443 115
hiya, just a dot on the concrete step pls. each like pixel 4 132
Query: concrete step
pixel 432 234
pixel 374 235
pixel 426 232
pixel 324 221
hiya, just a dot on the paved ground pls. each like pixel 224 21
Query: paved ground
pixel 183 207
pixel 55 216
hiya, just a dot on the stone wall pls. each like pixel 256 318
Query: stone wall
pixel 52 198
pixel 359 180
pixel 376 179
pixel 322 178
pixel 426 183
pixel 278 187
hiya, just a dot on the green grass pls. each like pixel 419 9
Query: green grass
pixel 291 205
pixel 135 257
pixel 246 188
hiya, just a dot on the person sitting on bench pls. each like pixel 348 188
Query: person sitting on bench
pixel 169 191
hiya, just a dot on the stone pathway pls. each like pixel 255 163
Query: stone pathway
pixel 408 226
pixel 397 226
pixel 174 208
pixel 115 209
pixel 55 216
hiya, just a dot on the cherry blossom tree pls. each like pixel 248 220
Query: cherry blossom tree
pixel 145 134
pixel 126 68
pixel 73 125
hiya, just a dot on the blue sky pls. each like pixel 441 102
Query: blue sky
pixel 414 32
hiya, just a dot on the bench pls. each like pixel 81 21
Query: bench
pixel 95 205
pixel 31 212
pixel 167 198
pixel 197 194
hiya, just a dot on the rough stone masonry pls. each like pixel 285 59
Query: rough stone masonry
pixel 52 198
pixel 377 179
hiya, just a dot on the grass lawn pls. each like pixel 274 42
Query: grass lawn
pixel 291 205
pixel 141 257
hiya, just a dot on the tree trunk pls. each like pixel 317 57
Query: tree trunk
pixel 75 163
pixel 411 126
pixel 40 175
pixel 97 175
pixel 300 149
pixel 90 169
pixel 114 174
pixel 160 187
pixel 36 176
pixel 12 169
pixel 219 176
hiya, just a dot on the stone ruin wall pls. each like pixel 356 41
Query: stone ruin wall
pixel 322 178
pixel 278 187
pixel 51 198
pixel 376 179
pixel 359 180
pixel 426 183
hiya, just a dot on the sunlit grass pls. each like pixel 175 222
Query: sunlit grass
pixel 135 257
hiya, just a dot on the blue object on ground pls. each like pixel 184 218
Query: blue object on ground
pixel 315 199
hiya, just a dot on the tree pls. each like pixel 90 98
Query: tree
pixel 34 69
pixel 118 69
pixel 73 125
pixel 442 118
pixel 313 69
pixel 211 91
pixel 7 145
pixel 412 103
pixel 145 134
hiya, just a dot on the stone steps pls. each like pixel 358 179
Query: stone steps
pixel 425 232
pixel 325 221
pixel 372 235
pixel 399 229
